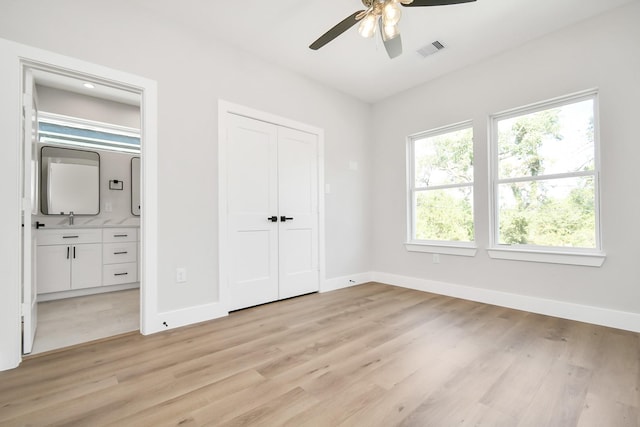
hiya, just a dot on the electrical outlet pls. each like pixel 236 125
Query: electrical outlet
pixel 181 275
pixel 436 258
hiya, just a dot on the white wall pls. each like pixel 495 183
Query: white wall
pixel 600 53
pixel 72 104
pixel 192 74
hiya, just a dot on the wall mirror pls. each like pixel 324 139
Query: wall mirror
pixel 135 186
pixel 69 181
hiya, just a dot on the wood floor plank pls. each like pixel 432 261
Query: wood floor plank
pixel 369 355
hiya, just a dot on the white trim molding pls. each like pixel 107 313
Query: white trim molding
pixel 583 313
pixel 342 282
pixel 188 316
pixel 570 258
pixel 460 250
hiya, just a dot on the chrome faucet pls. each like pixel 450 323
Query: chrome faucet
pixel 71 218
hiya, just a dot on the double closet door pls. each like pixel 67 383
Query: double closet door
pixel 272 212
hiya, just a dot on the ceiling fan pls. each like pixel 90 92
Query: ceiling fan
pixel 379 13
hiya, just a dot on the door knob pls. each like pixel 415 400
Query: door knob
pixel 273 219
pixel 38 224
pixel 285 218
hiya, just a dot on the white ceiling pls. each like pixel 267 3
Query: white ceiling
pixel 280 31
pixel 76 85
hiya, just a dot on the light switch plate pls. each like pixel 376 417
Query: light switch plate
pixel 181 275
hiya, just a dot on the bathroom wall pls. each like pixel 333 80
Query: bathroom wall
pixel 72 104
pixel 115 205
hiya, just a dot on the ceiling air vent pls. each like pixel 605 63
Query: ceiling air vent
pixel 430 49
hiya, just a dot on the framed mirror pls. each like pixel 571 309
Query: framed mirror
pixel 69 181
pixel 135 186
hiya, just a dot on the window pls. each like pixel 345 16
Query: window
pixel 545 177
pixel 56 129
pixel 441 189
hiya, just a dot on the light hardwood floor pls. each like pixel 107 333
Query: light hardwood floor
pixel 71 321
pixel 371 355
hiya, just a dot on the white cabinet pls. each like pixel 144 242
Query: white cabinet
pixel 120 256
pixel 85 259
pixel 68 259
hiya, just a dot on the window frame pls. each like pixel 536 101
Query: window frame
pixel 538 253
pixel 449 247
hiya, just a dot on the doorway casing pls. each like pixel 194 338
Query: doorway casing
pixel 14 58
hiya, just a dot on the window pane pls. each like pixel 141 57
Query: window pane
pixel 444 214
pixel 557 140
pixel 557 212
pixel 444 159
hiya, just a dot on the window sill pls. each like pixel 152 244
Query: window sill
pixel 460 250
pixel 569 258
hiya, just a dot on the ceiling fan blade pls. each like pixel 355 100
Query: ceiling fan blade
pixel 420 3
pixel 340 28
pixel 393 46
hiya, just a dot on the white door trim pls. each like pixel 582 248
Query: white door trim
pixel 224 110
pixel 13 57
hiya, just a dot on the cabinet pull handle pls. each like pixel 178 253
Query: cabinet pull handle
pixel 70 237
pixel 120 235
pixel 285 218
pixel 120 274
pixel 68 249
pixel 74 252
pixel 120 253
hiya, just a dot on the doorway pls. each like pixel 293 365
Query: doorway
pixel 145 91
pixel 86 287
pixel 14 57
pixel 271 207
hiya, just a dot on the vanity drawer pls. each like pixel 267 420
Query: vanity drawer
pixel 69 237
pixel 113 253
pixel 116 274
pixel 112 235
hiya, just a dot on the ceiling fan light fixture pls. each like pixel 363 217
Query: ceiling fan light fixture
pixel 367 27
pixel 390 32
pixel 391 13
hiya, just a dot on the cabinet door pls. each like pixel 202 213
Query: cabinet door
pixel 53 268
pixel 86 266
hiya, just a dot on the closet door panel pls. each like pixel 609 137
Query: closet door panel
pixel 298 199
pixel 252 199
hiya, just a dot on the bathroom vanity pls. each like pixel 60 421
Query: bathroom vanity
pixel 74 261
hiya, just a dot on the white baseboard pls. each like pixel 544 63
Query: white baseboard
pixel 583 313
pixel 84 292
pixel 187 316
pixel 345 281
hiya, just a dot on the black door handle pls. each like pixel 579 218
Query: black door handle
pixel 38 225
pixel 273 219
pixel 285 218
